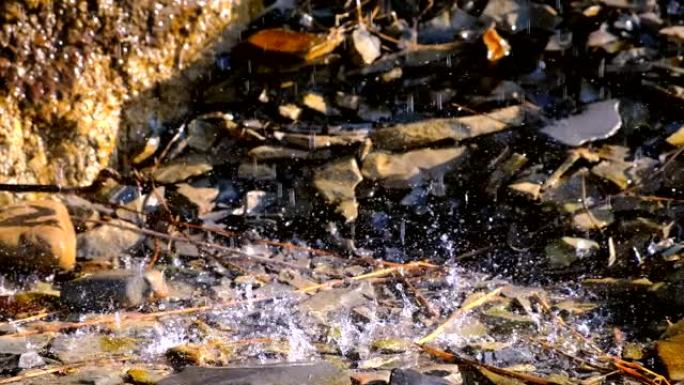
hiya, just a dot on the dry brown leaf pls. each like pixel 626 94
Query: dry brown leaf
pixel 282 40
pixel 306 46
pixel 497 46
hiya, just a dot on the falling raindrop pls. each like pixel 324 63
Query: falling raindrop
pixel 312 140
pixel 410 105
pixel 402 231
pixel 292 199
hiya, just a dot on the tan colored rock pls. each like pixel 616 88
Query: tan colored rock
pixel 83 73
pixel 37 235
pixel 412 168
pixel 425 132
pixel 677 139
pixel 671 353
pixel 336 181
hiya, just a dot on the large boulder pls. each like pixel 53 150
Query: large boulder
pixel 75 76
pixel 37 236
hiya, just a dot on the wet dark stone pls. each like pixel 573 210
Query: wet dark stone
pixel 412 377
pixel 317 373
pixel 108 290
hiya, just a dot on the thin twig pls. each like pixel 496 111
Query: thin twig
pixel 457 313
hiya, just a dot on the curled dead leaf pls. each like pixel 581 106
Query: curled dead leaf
pixel 497 46
pixel 302 45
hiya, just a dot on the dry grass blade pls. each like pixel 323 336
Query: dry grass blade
pixel 458 312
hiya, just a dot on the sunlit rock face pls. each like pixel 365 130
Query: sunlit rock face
pixel 79 78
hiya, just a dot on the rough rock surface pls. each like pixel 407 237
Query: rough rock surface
pixel 336 181
pixel 76 76
pixel 421 133
pixel 411 169
pixel 113 289
pixel 37 234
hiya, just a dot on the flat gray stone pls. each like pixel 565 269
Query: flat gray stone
pixel 425 132
pixel 112 289
pixel 599 120
pixel 318 373
pixel 108 241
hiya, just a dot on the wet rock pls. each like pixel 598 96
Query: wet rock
pixel 202 134
pixel 113 289
pixel 671 354
pixel 677 138
pixel 421 133
pixel 30 360
pixel 368 377
pixel 321 304
pixel 366 45
pixel 201 198
pixel 392 345
pixel 98 377
pixel 411 169
pixel 182 169
pixel 593 219
pixel 211 353
pixel 108 241
pixel 256 171
pixel 636 5
pixel 628 173
pixel 21 345
pixel 73 348
pixel 320 373
pixel 258 202
pixel 336 181
pixel 412 377
pixel 318 103
pixel 602 38
pixel 37 235
pixel 23 304
pixel 350 102
pixel 516 15
pixel 598 121
pixel 374 113
pixel 141 376
pixel 290 111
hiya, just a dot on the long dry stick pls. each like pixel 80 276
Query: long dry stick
pixel 460 311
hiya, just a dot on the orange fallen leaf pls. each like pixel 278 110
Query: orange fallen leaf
pixel 304 45
pixel 497 46
pixel 284 41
